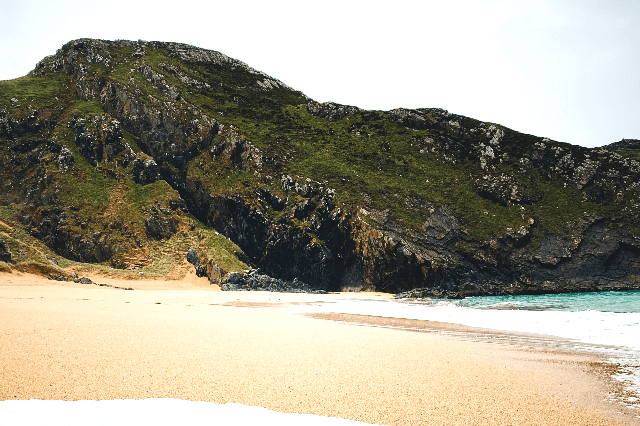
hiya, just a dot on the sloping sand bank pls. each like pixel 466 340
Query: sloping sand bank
pixel 182 340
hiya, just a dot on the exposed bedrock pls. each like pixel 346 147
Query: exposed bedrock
pixel 352 255
pixel 298 234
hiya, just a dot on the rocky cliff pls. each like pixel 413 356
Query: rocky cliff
pixel 110 149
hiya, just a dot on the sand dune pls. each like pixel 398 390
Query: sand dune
pixel 183 339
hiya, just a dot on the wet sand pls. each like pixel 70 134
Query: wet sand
pixel 183 339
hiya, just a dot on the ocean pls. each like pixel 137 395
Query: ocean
pixel 607 324
pixel 604 323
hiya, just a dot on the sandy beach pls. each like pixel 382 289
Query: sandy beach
pixel 186 339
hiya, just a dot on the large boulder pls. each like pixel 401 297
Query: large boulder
pixel 5 252
pixel 192 257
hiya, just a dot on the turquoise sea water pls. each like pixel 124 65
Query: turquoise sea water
pixel 609 301
pixel 603 323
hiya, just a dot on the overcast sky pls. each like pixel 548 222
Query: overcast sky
pixel 567 70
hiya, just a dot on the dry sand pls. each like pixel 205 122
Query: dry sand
pixel 185 340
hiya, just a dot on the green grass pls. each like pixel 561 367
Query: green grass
pixel 145 195
pixel 166 255
pixel 378 164
pixel 133 143
pixel 86 187
pixel 633 154
pixel 92 107
pixel 31 254
pixel 381 165
pixel 34 91
pixel 6 213
pixel 217 246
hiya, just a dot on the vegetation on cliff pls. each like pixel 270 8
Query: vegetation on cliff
pixel 129 153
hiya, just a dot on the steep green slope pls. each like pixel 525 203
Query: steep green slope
pixel 110 148
pixel 80 200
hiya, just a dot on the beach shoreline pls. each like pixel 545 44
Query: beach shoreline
pixel 185 339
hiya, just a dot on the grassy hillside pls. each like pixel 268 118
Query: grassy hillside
pixel 121 154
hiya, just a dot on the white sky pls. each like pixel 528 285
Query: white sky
pixel 568 70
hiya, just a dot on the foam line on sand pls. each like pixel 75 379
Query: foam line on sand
pixel 66 341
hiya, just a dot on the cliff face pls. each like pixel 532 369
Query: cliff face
pixel 110 146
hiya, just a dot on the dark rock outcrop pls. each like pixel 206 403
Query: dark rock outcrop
pixel 330 110
pixel 624 144
pixel 145 171
pixel 237 151
pixel 34 123
pixel 206 267
pixel 170 136
pixel 388 209
pixel 5 252
pixel 504 189
pixel 72 277
pixel 192 257
pixel 159 227
pixel 254 280
pixel 99 138
pixel 277 203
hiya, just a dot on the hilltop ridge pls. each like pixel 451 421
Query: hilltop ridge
pixel 130 153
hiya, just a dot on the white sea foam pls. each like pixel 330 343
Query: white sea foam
pixel 602 328
pixel 614 335
pixel 157 412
